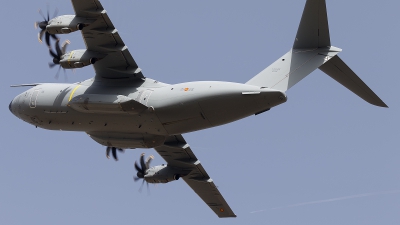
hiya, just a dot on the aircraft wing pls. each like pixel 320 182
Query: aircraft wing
pixel 102 37
pixel 177 153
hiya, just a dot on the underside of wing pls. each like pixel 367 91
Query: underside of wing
pixel 103 39
pixel 177 153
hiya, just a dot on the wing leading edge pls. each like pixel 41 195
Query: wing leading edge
pixel 102 37
pixel 177 153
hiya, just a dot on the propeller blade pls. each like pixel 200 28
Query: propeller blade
pixel 142 163
pixel 55 12
pixel 114 153
pixel 48 35
pixel 136 178
pixel 58 72
pixel 54 36
pixel 40 35
pixel 48 14
pixel 138 168
pixel 58 49
pixel 41 13
pixel 53 54
pixel 141 186
pixel 65 76
pixel 64 46
pixel 148 161
pixel 36 24
pixel 108 152
pixel 51 65
pixel 47 38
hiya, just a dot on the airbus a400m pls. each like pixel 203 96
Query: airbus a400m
pixel 122 109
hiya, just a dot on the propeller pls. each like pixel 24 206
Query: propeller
pixel 141 170
pixel 60 51
pixel 42 25
pixel 113 151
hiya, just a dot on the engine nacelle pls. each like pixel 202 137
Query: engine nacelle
pixel 66 24
pixel 163 174
pixel 79 58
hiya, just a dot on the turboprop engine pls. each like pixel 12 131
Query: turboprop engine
pixel 73 59
pixel 157 174
pixel 78 59
pixel 66 24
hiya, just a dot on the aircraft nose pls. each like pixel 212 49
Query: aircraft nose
pixel 10 105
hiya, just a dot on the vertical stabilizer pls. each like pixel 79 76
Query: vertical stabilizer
pixel 313 30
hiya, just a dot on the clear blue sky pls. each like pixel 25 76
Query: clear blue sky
pixel 325 147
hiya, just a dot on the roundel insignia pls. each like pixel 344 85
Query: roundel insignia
pixel 221 210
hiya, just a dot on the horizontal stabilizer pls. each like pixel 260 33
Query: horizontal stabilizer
pixel 340 72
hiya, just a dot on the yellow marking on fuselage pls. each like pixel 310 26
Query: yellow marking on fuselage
pixel 73 91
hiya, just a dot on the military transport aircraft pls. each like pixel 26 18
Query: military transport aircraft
pixel 120 108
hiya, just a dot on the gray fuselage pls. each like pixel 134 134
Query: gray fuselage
pixel 171 109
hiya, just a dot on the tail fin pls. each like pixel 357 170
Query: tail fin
pixel 311 50
pixel 313 30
